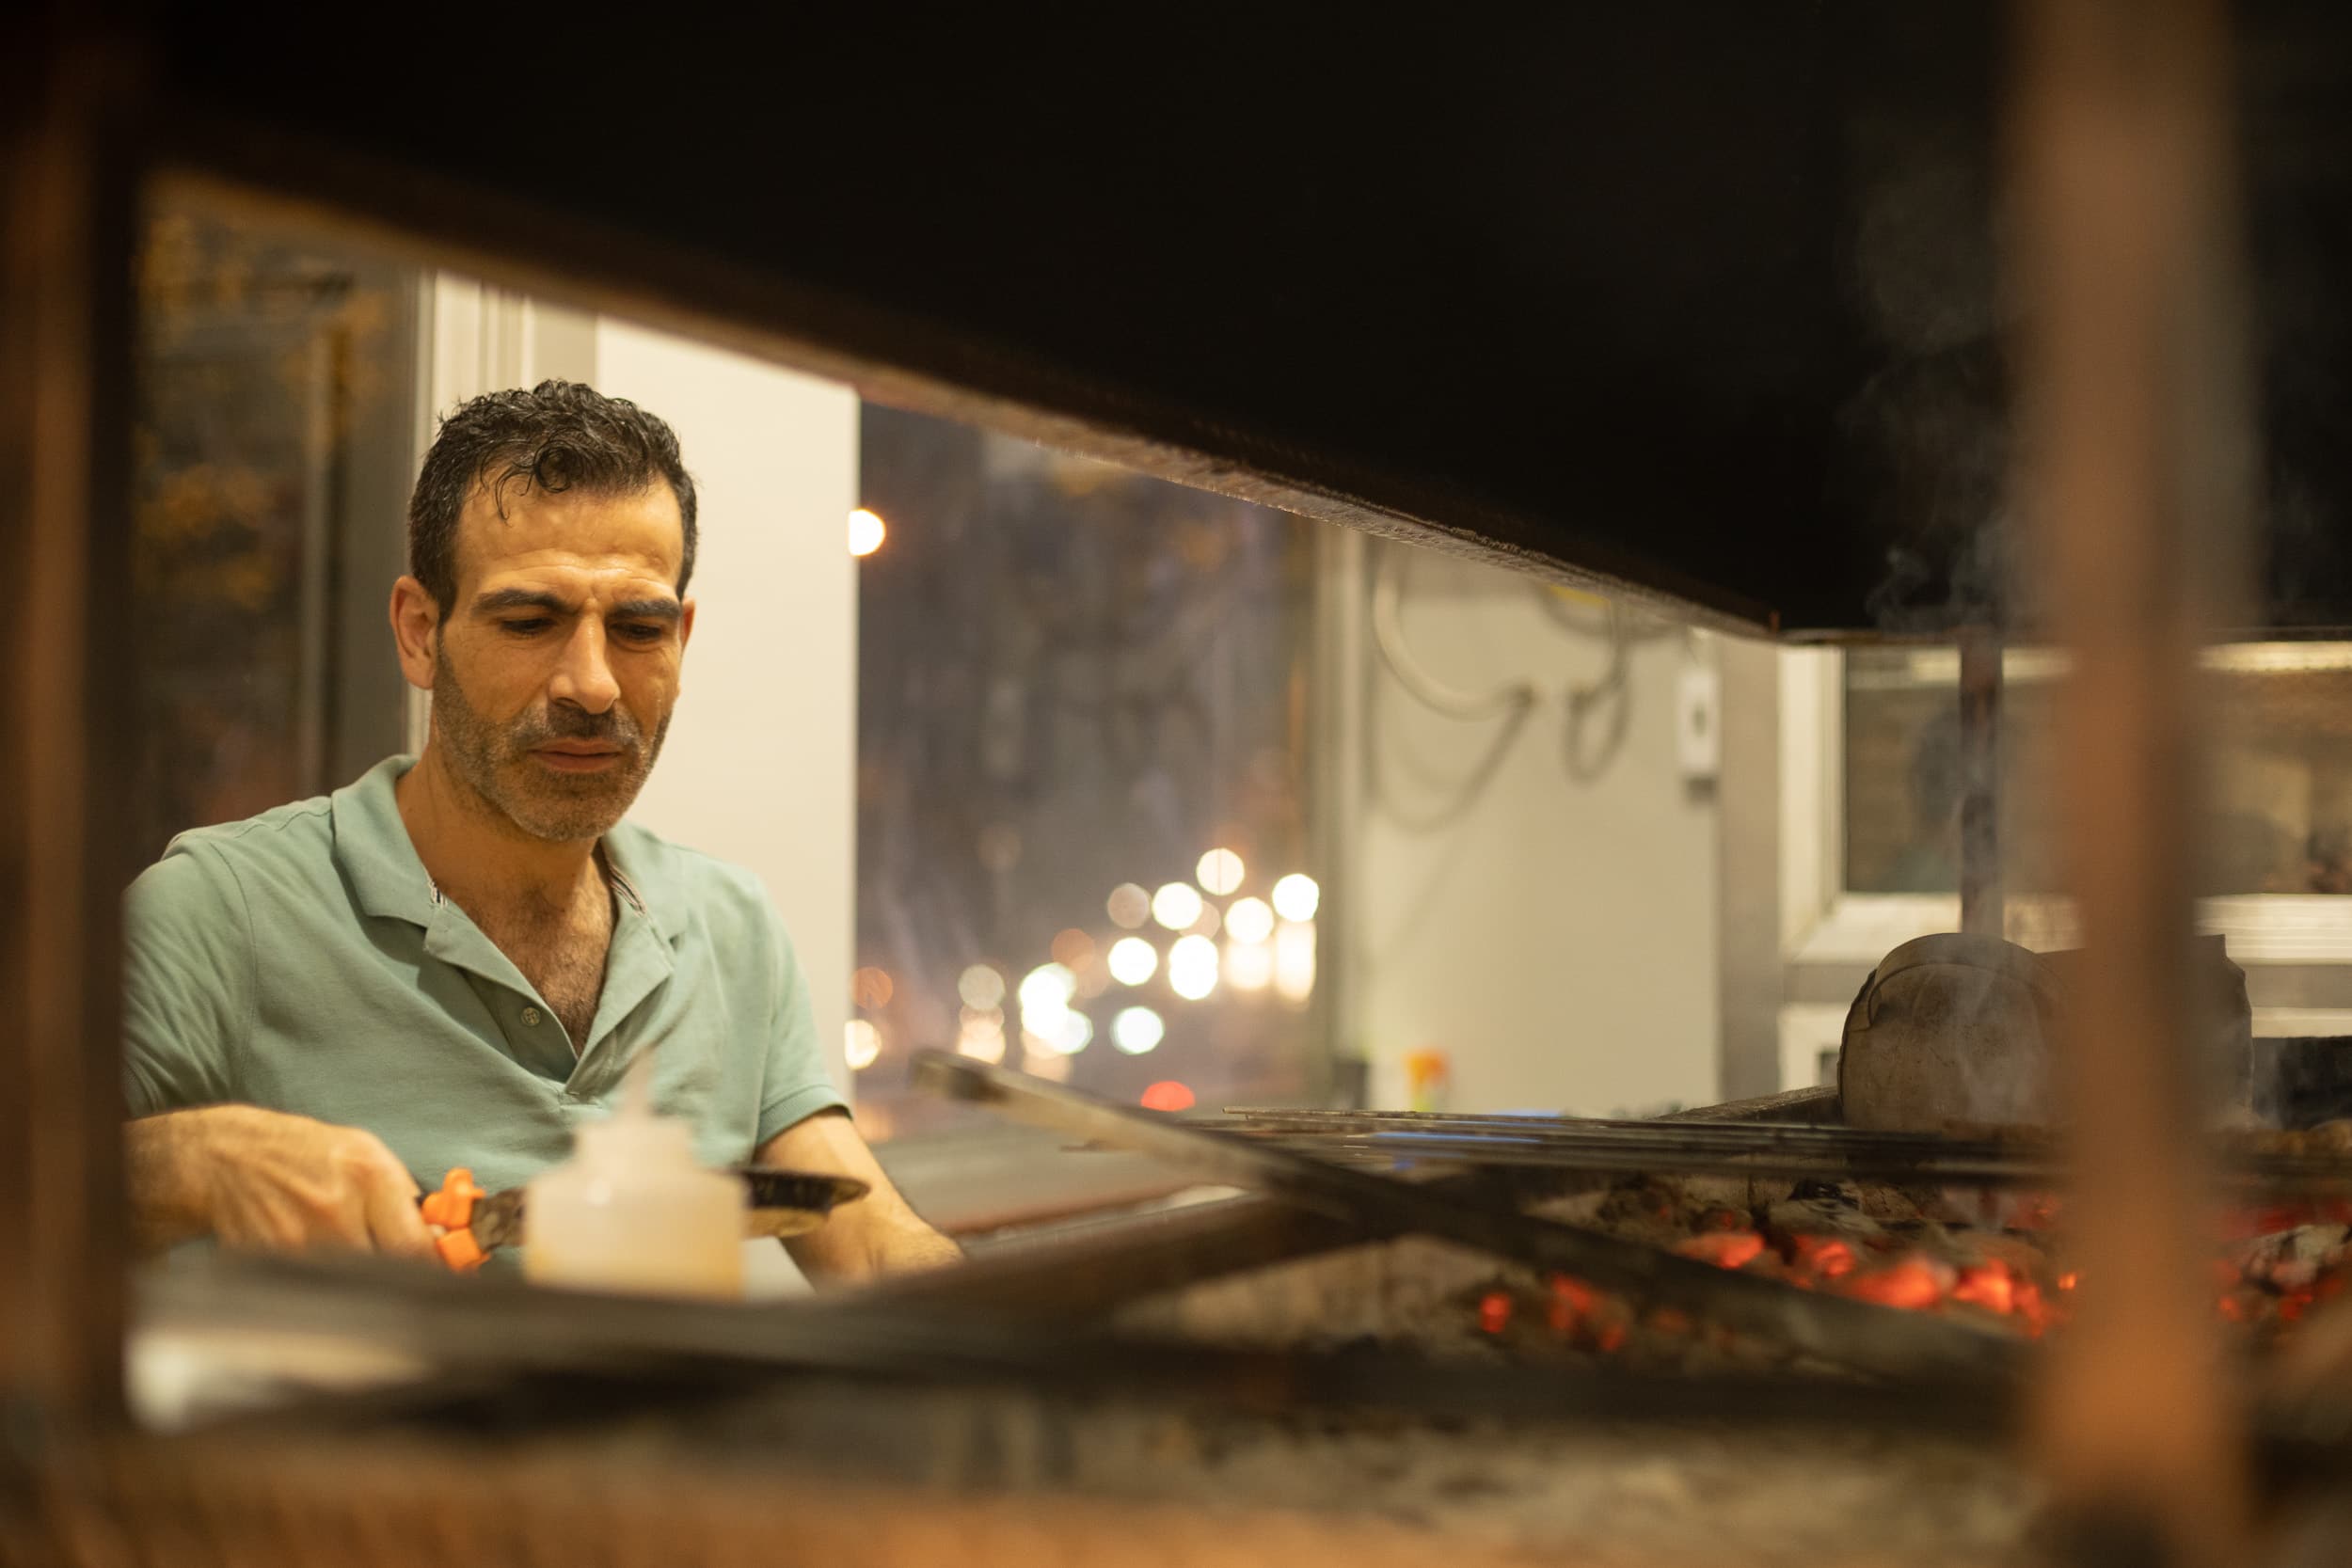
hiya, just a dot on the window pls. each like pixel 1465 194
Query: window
pixel 1082 776
pixel 1869 853
pixel 2281 812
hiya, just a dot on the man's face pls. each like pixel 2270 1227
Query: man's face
pixel 555 669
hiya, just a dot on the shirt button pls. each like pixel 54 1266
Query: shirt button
pixel 530 1018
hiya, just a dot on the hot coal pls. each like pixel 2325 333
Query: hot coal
pixel 1918 1252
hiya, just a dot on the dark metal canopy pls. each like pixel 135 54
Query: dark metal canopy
pixel 1695 297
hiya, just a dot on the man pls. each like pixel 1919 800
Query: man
pixel 451 963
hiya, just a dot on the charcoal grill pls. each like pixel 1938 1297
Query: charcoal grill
pixel 1324 1161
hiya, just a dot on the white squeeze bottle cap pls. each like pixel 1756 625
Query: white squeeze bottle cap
pixel 632 1211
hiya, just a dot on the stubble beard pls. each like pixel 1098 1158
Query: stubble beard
pixel 494 761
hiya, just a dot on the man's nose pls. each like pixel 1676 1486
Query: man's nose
pixel 584 677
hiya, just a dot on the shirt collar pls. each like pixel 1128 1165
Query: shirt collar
pixel 373 848
pixel 378 860
pixel 629 852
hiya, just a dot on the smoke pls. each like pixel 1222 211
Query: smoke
pixel 1925 438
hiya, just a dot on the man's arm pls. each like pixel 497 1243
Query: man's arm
pixel 261 1179
pixel 878 1234
pixel 197 1163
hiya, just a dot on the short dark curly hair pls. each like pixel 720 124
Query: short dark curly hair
pixel 557 435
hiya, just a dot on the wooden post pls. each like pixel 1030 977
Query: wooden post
pixel 2134 415
pixel 66 215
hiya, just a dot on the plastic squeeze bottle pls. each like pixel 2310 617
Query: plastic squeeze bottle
pixel 632 1212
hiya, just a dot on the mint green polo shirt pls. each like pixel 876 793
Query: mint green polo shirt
pixel 302 961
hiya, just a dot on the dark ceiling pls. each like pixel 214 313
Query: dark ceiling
pixel 1698 295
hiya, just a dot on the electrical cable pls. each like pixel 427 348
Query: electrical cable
pixel 1605 700
pixel 1609 691
pixel 1512 698
pixel 1612 674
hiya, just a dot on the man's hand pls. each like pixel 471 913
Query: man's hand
pixel 264 1180
pixel 878 1234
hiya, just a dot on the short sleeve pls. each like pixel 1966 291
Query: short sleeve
pixel 188 982
pixel 795 1084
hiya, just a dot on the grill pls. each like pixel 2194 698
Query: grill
pixel 1822 1241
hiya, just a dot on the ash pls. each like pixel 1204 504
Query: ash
pixel 1647 1494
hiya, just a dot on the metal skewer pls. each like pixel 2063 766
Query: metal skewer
pixel 1729 1149
pixel 1854 1334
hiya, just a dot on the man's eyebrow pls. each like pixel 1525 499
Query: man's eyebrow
pixel 540 599
pixel 520 598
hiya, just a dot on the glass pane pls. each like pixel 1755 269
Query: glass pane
pixel 2282 808
pixel 1075 681
pixel 274 433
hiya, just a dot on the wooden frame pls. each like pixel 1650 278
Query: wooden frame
pixel 67 173
pixel 2121 109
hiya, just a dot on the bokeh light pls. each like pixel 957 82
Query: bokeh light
pixel 1219 871
pixel 1176 906
pixel 981 987
pixel 1192 968
pixel 1296 897
pixel 867 532
pixel 1068 1033
pixel 1046 989
pixel 862 1047
pixel 1132 960
pixel 871 988
pixel 1128 905
pixel 1136 1030
pixel 1047 1023
pixel 1056 1034
pixel 1072 948
pixel 1167 1095
pixel 1249 920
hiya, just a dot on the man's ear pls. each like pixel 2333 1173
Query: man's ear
pixel 415 618
pixel 685 623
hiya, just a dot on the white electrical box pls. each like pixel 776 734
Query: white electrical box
pixel 1698 724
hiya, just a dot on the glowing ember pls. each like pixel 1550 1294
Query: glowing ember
pixel 1729 1249
pixel 1991 1265
pixel 1989 1287
pixel 1914 1283
pixel 1824 1256
pixel 1572 1301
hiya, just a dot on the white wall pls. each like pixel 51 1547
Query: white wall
pixel 1557 935
pixel 761 760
